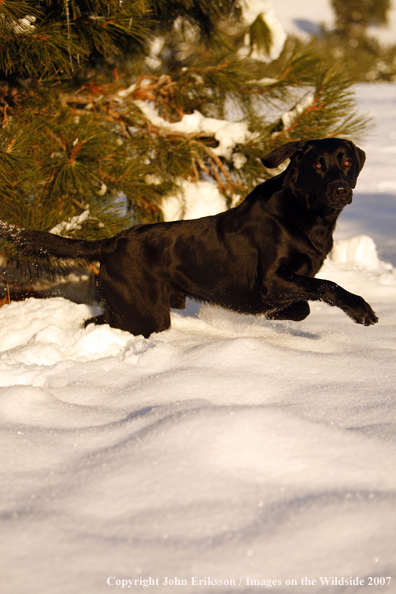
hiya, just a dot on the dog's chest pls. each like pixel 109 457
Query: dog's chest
pixel 320 236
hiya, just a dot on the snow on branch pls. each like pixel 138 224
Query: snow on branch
pixel 260 17
pixel 228 134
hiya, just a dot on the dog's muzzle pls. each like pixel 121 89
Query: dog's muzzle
pixel 340 194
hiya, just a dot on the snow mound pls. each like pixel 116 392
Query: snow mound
pixel 55 333
pixel 360 250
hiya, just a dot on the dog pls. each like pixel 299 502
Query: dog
pixel 259 258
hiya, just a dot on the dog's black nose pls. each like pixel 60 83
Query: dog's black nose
pixel 341 192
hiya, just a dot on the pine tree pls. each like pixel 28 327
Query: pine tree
pixel 360 13
pixel 98 98
pixel 352 42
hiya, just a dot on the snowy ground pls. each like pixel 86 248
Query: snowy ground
pixel 228 448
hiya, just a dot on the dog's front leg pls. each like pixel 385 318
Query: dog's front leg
pixel 297 287
pixel 296 312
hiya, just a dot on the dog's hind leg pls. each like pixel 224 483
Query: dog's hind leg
pixel 135 317
pixel 134 321
pixel 141 308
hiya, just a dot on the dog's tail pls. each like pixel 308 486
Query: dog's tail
pixel 43 243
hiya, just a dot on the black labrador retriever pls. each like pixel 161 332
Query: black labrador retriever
pixel 260 257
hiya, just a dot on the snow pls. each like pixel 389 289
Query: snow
pixel 23 26
pixel 196 199
pixel 73 224
pixel 307 19
pixel 228 134
pixel 193 200
pixel 227 448
pixel 251 9
pixel 290 116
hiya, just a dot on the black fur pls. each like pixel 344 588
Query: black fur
pixel 260 257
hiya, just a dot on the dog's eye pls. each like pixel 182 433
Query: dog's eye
pixel 347 163
pixel 318 166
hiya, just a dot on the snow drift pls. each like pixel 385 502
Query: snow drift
pixel 228 447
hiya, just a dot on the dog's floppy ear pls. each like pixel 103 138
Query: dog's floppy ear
pixel 359 154
pixel 280 154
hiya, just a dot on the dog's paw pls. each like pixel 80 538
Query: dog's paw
pixel 362 313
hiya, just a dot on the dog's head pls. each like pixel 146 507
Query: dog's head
pixel 327 168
